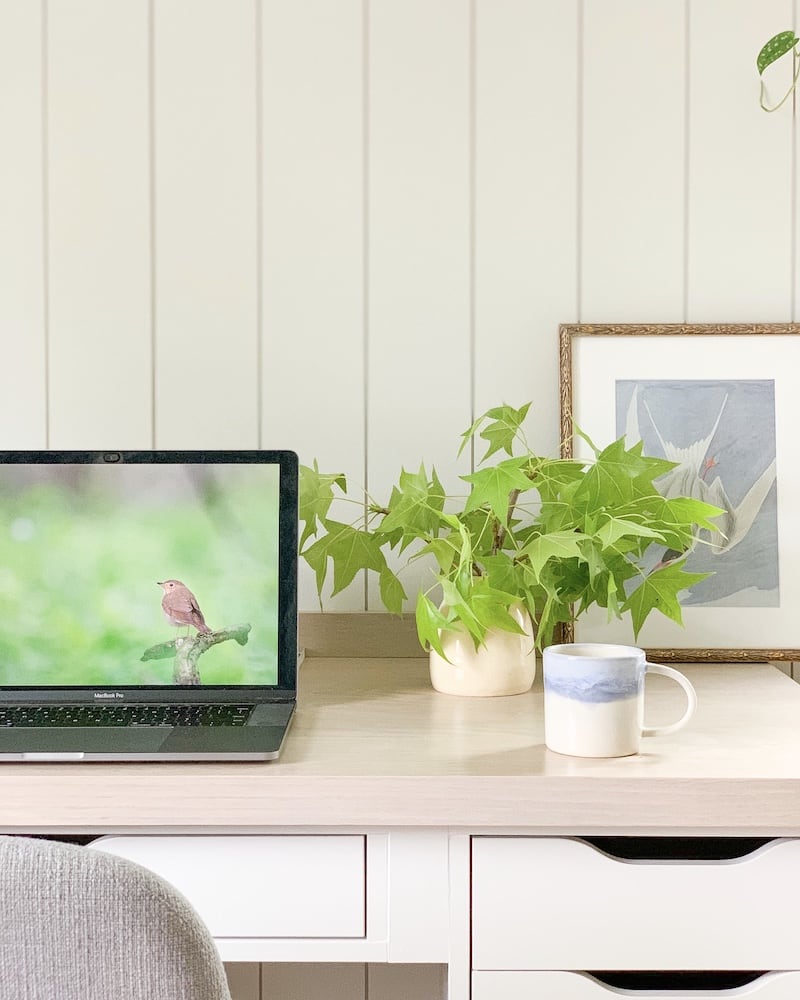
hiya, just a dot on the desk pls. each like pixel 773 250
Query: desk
pixel 409 777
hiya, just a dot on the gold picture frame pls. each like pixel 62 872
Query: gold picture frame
pixel 721 377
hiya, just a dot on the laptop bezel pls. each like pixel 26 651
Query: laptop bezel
pixel 286 687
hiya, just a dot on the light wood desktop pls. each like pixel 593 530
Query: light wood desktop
pixel 379 833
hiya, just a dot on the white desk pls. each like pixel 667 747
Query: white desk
pixel 370 818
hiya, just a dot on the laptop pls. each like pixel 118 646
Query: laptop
pixel 148 605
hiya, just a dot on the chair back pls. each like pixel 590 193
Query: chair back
pixel 78 924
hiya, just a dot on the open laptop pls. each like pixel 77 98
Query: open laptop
pixel 148 605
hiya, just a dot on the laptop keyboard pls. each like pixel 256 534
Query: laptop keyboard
pixel 43 716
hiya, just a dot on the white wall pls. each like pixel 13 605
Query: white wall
pixel 346 226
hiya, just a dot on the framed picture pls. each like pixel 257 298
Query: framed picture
pixel 723 403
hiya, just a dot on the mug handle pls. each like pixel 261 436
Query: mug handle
pixel 691 697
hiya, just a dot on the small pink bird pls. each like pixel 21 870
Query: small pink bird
pixel 180 606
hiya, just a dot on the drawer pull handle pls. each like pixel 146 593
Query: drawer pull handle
pixel 677 848
pixel 677 981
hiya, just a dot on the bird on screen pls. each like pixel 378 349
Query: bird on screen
pixel 180 607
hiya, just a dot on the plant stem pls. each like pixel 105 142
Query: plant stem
pixel 790 91
pixel 499 529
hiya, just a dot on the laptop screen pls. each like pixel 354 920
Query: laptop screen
pixel 148 569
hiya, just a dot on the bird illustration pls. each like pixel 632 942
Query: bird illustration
pixel 690 478
pixel 180 606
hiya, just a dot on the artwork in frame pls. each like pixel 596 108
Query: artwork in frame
pixel 721 401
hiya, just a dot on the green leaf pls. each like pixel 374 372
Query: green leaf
pixel 492 612
pixel 469 433
pixel 609 482
pixel 659 592
pixel 652 467
pixel 502 426
pixel 444 550
pixel 429 620
pixel 491 607
pixel 582 434
pixel 460 569
pixel 552 475
pixel 615 528
pixel 679 519
pixel 595 562
pixel 612 599
pixel 559 545
pixel 688 511
pixel 350 550
pixel 776 47
pixel 501 572
pixel 493 486
pixel 415 506
pixel 459 603
pixel 392 593
pixel 316 496
pixel 553 611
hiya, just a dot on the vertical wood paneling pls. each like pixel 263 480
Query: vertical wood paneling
pixel 320 981
pixel 375 196
pixel 525 203
pixel 206 277
pixel 98 206
pixel 633 162
pixel 313 242
pixel 23 410
pixel 419 345
pixel 740 168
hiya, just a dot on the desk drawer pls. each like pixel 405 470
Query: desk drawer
pixel 577 986
pixel 273 886
pixel 555 903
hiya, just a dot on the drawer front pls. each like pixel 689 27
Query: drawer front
pixel 578 986
pixel 273 886
pixel 555 903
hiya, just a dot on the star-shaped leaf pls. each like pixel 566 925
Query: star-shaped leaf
pixel 415 506
pixel 351 550
pixel 652 467
pixel 429 620
pixel 614 528
pixel 502 573
pixel 457 600
pixel 392 593
pixel 316 497
pixel 609 482
pixel 502 424
pixel 558 545
pixel 595 562
pixel 494 486
pixel 550 476
pixel 491 608
pixel 444 551
pixel 659 592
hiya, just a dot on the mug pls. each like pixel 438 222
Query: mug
pixel 594 699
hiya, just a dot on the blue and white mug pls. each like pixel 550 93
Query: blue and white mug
pixel 594 699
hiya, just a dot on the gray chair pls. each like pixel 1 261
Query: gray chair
pixel 77 924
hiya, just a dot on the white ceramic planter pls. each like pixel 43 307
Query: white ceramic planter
pixel 505 664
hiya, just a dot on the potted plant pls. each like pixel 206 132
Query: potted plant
pixel 533 542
